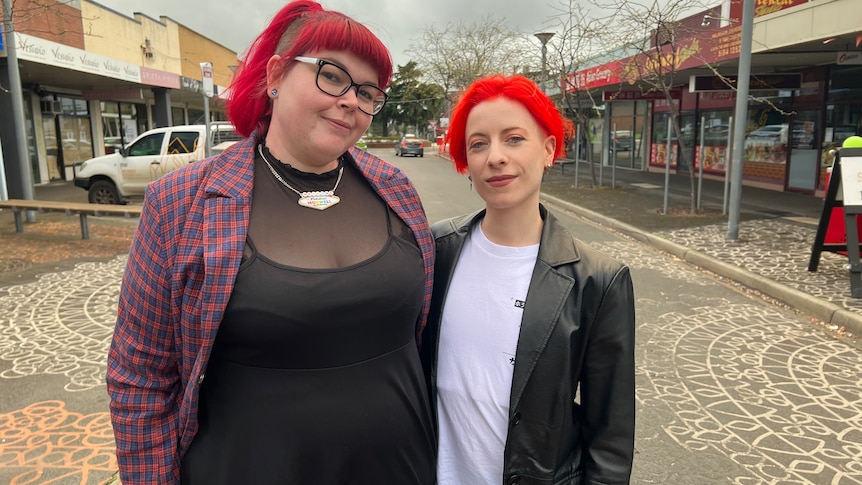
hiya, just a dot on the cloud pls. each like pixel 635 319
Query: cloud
pixel 398 23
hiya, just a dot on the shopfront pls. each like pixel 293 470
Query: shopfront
pixel 788 132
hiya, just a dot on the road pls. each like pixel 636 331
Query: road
pixel 731 388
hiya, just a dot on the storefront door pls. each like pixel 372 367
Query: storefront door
pixel 52 147
pixel 802 172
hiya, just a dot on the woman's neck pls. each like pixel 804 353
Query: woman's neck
pixel 516 227
pixel 285 154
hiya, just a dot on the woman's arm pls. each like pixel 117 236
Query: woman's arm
pixel 608 386
pixel 143 378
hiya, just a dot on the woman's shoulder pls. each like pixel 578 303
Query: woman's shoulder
pixel 374 167
pixel 561 247
pixel 224 169
pixel 461 223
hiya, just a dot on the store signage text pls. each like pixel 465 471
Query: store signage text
pixel 53 54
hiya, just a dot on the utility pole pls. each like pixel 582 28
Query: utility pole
pixel 17 95
pixel 207 78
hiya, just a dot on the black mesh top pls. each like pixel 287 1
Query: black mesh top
pixel 315 376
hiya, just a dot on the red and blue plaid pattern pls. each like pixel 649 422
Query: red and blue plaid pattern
pixel 181 270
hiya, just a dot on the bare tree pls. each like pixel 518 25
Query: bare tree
pixel 49 19
pixel 458 54
pixel 661 43
pixel 580 34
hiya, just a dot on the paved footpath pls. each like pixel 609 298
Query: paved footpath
pixel 58 303
pixel 732 388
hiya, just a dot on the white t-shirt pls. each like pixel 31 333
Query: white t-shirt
pixel 478 338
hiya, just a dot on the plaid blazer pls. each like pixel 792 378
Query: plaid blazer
pixel 178 280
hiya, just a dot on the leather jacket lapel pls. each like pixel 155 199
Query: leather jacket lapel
pixel 546 299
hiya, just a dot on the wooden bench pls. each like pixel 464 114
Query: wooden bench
pixel 82 209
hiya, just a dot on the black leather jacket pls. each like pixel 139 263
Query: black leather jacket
pixel 578 329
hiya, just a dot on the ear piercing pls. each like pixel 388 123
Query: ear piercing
pixel 274 92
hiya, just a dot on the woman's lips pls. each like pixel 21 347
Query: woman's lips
pixel 500 180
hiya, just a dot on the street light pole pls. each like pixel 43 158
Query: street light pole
pixel 740 115
pixel 544 37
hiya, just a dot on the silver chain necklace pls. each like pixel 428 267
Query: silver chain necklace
pixel 319 199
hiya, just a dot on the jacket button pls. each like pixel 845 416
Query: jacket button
pixel 201 379
pixel 516 419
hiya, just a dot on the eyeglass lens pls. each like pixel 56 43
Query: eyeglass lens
pixel 335 81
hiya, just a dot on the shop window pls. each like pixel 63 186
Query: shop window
pixel 76 140
pixel 844 83
pixel 767 136
pixel 196 117
pixel 178 116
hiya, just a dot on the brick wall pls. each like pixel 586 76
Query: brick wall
pixel 50 20
pixel 764 171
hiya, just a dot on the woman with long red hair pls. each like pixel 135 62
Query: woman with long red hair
pixel 530 338
pixel 270 312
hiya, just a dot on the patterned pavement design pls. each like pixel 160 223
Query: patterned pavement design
pixel 755 388
pixel 62 324
pixel 55 446
pixel 777 250
pixel 765 391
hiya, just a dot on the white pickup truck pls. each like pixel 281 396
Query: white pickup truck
pixel 114 178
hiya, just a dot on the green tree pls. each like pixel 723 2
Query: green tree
pixel 412 102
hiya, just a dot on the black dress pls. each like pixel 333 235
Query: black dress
pixel 315 377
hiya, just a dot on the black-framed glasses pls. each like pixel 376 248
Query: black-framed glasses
pixel 333 80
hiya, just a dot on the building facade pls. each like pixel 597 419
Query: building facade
pixel 93 79
pixel 805 94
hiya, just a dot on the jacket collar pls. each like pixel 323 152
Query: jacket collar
pixel 232 173
pixel 549 288
pixel 557 244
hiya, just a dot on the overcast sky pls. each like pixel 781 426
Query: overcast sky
pixel 398 23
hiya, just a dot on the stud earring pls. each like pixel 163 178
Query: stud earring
pixel 274 92
pixel 470 178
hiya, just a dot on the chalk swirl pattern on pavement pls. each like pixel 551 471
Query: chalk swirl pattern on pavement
pixel 62 324
pixel 45 443
pixel 745 382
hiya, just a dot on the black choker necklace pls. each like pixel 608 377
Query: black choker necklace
pixel 320 199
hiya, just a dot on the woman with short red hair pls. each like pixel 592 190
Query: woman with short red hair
pixel 530 338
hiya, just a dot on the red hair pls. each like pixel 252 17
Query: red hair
pixel 516 88
pixel 300 27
